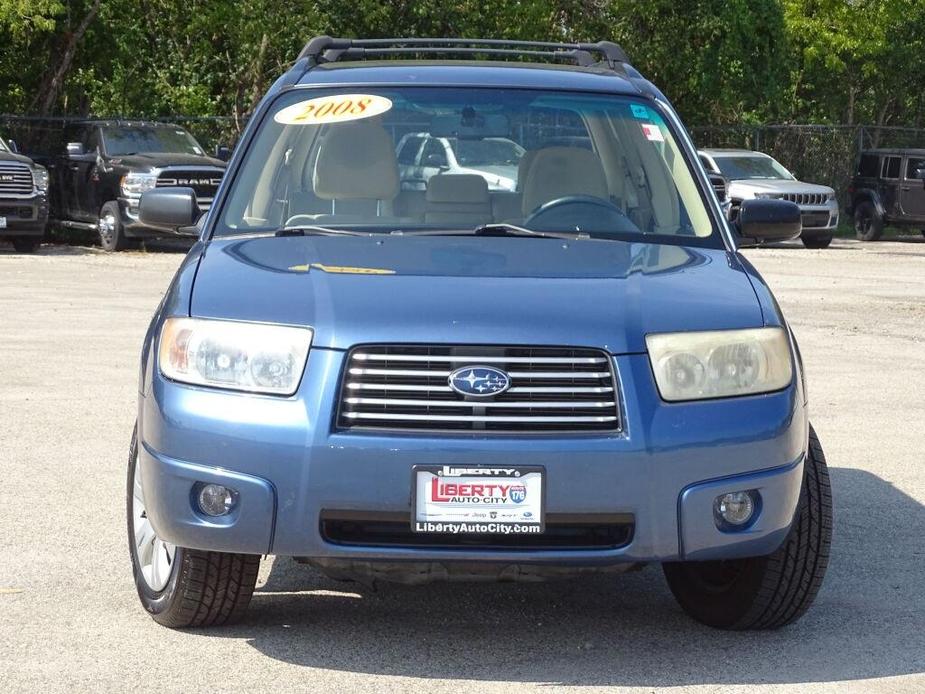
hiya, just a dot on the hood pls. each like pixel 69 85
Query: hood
pixel 469 290
pixel 9 156
pixel 761 185
pixel 151 160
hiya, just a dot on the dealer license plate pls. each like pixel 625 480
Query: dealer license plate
pixel 2 222
pixel 493 499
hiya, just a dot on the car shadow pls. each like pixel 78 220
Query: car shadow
pixel 619 630
pixel 68 250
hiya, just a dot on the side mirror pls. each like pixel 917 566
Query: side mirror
pixel 720 185
pixel 14 148
pixel 919 173
pixel 222 152
pixel 768 221
pixel 170 209
pixel 75 149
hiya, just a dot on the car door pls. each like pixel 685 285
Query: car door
pixel 912 189
pixel 82 177
pixel 890 171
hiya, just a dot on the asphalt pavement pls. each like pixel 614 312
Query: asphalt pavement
pixel 71 324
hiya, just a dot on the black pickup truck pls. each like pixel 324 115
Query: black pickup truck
pixel 108 164
pixel 23 199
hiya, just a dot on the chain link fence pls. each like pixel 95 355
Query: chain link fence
pixel 825 154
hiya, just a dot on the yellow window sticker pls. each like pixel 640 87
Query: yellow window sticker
pixel 337 108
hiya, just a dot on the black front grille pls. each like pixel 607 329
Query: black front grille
pixel 203 181
pixel 805 198
pixel 20 212
pixel 15 178
pixel 552 389
pixel 589 531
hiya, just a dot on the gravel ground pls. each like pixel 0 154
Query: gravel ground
pixel 71 323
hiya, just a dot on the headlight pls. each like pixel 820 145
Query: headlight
pixel 40 178
pixel 720 364
pixel 253 357
pixel 134 184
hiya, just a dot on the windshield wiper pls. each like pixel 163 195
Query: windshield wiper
pixel 317 230
pixel 505 229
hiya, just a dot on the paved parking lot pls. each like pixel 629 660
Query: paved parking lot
pixel 71 323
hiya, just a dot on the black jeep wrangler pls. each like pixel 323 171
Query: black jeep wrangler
pixel 888 188
pixel 23 199
pixel 108 164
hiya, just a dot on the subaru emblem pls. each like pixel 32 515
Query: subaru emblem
pixel 479 381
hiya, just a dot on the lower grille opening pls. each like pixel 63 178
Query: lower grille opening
pixel 563 531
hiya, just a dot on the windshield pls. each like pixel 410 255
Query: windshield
pixel 596 164
pixel 139 140
pixel 745 167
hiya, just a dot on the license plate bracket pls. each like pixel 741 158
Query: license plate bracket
pixel 479 500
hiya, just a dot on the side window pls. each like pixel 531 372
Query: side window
pixel 409 150
pixel 90 140
pixel 915 168
pixel 869 165
pixel 891 167
pixel 434 154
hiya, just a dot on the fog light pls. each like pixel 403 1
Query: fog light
pixel 735 509
pixel 217 500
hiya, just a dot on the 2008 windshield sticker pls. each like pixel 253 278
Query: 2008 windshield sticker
pixel 337 108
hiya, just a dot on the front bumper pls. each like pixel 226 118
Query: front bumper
pixel 26 216
pixel 819 220
pixel 290 466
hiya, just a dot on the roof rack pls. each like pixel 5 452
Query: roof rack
pixel 324 49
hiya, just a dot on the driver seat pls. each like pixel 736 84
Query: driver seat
pixel 557 172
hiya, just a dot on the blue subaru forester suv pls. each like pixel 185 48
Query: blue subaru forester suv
pixel 393 372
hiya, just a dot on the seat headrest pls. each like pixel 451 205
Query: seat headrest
pixel 356 161
pixel 556 172
pixel 469 188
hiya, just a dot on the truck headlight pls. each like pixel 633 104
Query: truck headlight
pixel 134 184
pixel 720 364
pixel 253 357
pixel 40 178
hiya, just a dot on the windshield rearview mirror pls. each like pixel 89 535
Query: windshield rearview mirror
pixel 768 221
pixel 75 148
pixel 174 210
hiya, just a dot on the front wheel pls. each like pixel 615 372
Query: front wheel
pixel 112 233
pixel 183 587
pixel 816 242
pixel 26 244
pixel 772 591
pixel 868 224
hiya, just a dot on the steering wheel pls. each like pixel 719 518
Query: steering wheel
pixel 601 212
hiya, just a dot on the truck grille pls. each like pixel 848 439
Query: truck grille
pixel 406 387
pixel 805 198
pixel 203 181
pixel 15 178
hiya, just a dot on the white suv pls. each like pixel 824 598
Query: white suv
pixel 421 155
pixel 756 175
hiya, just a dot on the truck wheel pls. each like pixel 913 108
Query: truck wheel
pixel 26 245
pixel 112 235
pixel 816 242
pixel 183 587
pixel 868 224
pixel 772 591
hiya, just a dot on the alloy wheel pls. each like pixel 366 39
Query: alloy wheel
pixel 155 557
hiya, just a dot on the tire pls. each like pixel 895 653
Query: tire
pixel 197 589
pixel 772 591
pixel 816 242
pixel 27 244
pixel 868 224
pixel 109 227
